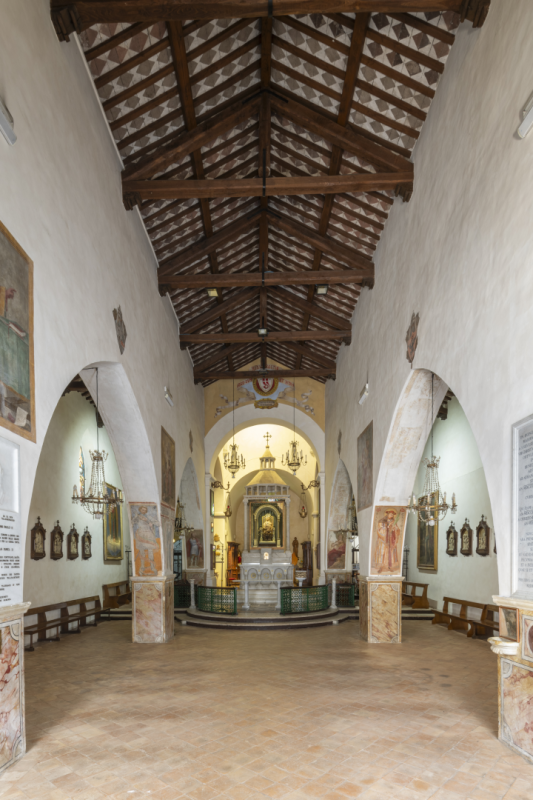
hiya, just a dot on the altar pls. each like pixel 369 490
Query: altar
pixel 267 557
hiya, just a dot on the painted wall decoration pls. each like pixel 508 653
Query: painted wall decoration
pixel 167 524
pixel 365 480
pixel 148 618
pixel 11 687
pixel 168 469
pixel 412 338
pixel 17 385
pixel 146 535
pixel 388 531
pixel 427 543
pixel 113 527
pixel 509 623
pixel 120 329
pixel 527 638
pixel 195 549
pixel 516 711
pixel 336 550
pixel 264 393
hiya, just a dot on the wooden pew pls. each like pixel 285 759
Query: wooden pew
pixel 474 626
pixel 413 599
pixel 121 595
pixel 62 623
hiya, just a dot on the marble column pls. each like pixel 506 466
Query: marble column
pixel 322 527
pixel 193 598
pixel 333 593
pixel 12 684
pixel 153 609
pixel 246 604
pixel 515 674
pixel 380 609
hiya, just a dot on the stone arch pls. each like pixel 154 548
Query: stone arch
pixel 338 519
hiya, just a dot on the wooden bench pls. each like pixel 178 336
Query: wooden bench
pixel 121 595
pixel 413 599
pixel 66 618
pixel 474 626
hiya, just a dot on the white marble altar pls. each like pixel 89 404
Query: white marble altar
pixel 264 571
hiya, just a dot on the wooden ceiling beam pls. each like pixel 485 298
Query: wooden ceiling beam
pixel 293 299
pixel 219 355
pixel 231 279
pixel 80 14
pixel 320 372
pixel 194 139
pixel 306 352
pixel 252 336
pixel 269 187
pixel 238 299
pixel 325 244
pixel 205 246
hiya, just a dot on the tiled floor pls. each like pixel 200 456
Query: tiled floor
pixel 292 714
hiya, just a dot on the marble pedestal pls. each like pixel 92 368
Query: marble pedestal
pixel 13 738
pixel 515 680
pixel 380 609
pixel 262 570
pixel 153 609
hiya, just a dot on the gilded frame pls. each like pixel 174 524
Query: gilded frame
pixel 109 517
pixel 423 529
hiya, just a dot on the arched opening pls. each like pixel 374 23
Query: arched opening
pixel 194 544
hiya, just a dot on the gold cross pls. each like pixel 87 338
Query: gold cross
pixel 267 436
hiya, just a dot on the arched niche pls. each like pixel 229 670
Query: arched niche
pixel 248 416
pixel 189 494
pixel 338 519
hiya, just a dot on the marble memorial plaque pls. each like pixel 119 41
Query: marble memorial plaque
pixel 10 546
pixel 523 507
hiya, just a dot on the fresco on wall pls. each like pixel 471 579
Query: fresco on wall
pixel 168 469
pixel 113 527
pixel 411 338
pixel 195 549
pixel 336 549
pixel 146 535
pixel 387 539
pixel 17 390
pixel 365 480
pixel 264 393
pixel 167 524
pixel 516 711
pixel 10 693
pixel 120 329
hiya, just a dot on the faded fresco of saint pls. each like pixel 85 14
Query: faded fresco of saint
pixel 146 538
pixel 336 550
pixel 365 482
pixel 195 549
pixel 168 469
pixel 387 539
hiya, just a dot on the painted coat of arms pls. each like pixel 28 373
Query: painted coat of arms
pixel 412 338
pixel 120 329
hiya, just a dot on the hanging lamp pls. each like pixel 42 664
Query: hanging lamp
pixel 96 501
pixel 232 461
pixel 228 510
pixel 294 460
pixel 302 511
pixel 432 506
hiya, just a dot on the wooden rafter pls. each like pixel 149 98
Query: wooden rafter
pixel 215 313
pixel 231 279
pixel 275 336
pixel 319 372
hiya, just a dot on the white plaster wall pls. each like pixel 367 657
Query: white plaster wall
pixel 60 197
pixel 472 577
pixel 460 253
pixel 47 581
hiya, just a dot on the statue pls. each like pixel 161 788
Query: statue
pixel 295 546
pixel 267 528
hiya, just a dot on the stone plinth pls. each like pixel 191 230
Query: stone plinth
pixel 153 609
pixel 380 609
pixel 515 681
pixel 13 739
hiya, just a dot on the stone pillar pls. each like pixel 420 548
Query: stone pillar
pixel 515 674
pixel 333 593
pixel 246 531
pixel 12 686
pixel 278 604
pixel 246 604
pixel 153 609
pixel 210 575
pixel 380 609
pixel 193 599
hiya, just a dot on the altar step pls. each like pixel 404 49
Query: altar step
pixel 260 620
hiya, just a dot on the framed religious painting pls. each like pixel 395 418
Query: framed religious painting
pixel 427 548
pixel 168 469
pixel 509 624
pixel 56 542
pixel 483 537
pixel 527 638
pixel 451 540
pixel 17 406
pixel 86 545
pixel 38 539
pixel 73 549
pixel 113 527
pixel 466 539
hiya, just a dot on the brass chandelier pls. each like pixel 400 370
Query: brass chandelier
pixel 294 460
pixel 432 506
pixel 232 461
pixel 96 501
